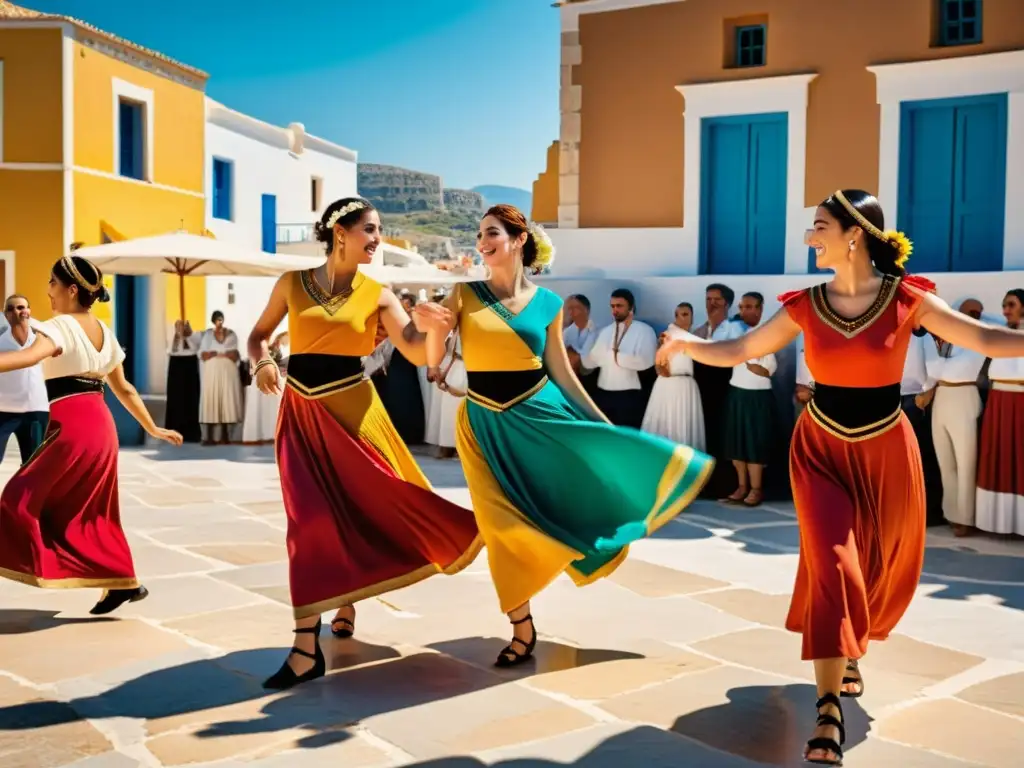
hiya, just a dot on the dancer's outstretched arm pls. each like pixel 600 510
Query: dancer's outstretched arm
pixel 963 331
pixel 129 397
pixel 410 337
pixel 556 360
pixel 42 348
pixel 763 340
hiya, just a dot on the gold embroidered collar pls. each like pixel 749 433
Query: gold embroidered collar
pixel 331 304
pixel 851 327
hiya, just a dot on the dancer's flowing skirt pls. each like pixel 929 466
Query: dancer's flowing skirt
pixel 861 511
pixel 1000 500
pixel 183 396
pixel 362 518
pixel 675 412
pixel 555 492
pixel 60 523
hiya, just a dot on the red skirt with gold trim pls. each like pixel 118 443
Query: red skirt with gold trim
pixel 60 520
pixel 362 518
pixel 1000 500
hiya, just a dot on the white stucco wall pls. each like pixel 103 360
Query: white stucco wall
pixel 266 160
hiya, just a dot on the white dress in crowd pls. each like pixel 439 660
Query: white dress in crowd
pixel 674 410
pixel 443 409
pixel 221 398
pixel 261 409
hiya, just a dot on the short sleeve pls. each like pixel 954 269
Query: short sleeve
pixel 796 304
pixel 52 330
pixel 910 294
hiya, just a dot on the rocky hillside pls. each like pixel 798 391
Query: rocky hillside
pixel 464 199
pixel 399 190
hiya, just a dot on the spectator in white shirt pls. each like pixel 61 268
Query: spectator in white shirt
pixel 750 424
pixel 579 336
pixel 621 351
pixel 917 389
pixel 955 410
pixel 24 406
pixel 804 383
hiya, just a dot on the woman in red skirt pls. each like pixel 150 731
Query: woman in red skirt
pixel 855 465
pixel 60 521
pixel 1000 495
pixel 362 518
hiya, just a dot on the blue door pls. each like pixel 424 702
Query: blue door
pixel 743 195
pixel 952 193
pixel 270 223
pixel 132 331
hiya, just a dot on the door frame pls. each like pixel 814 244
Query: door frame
pixel 8 259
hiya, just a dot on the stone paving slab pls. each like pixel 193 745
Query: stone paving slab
pixel 680 658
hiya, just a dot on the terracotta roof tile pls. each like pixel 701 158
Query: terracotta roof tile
pixel 11 12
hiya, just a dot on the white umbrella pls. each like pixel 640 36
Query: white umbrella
pixel 425 274
pixel 185 255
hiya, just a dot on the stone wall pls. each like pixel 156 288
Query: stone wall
pixel 399 190
pixel 464 199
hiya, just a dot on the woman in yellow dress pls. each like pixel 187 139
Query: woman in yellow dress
pixel 555 487
pixel 362 519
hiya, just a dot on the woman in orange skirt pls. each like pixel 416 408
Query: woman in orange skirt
pixel 855 466
pixel 362 518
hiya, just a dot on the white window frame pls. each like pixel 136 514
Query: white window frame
pixel 755 96
pixel 953 78
pixel 131 92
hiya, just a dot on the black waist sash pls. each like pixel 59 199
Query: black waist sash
pixel 315 376
pixel 856 413
pixel 500 390
pixel 65 386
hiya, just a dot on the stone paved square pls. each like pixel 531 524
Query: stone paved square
pixel 679 658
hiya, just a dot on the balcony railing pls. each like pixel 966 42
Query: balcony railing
pixel 294 233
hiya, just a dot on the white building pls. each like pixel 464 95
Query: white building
pixel 264 181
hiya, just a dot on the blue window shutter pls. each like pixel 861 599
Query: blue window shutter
pixel 131 160
pixel 222 172
pixel 269 223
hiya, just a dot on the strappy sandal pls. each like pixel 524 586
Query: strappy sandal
pixel 509 656
pixel 343 628
pixel 737 496
pixel 824 743
pixel 286 677
pixel 852 666
pixel 754 498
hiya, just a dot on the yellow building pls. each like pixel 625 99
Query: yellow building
pixel 100 140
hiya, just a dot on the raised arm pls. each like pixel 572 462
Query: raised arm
pixel 42 348
pixel 766 339
pixel 410 337
pixel 963 331
pixel 436 345
pixel 556 360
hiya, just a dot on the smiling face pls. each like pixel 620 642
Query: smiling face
pixel 830 242
pixel 63 298
pixel 361 240
pixel 496 246
pixel 1012 309
pixel 684 318
pixel 16 311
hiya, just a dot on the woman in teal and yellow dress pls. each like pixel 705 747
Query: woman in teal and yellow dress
pixel 555 487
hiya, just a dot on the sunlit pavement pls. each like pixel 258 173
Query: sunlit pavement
pixel 678 659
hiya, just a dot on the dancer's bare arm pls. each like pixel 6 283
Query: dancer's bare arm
pixel 763 340
pixel 963 331
pixel 129 397
pixel 437 339
pixel 556 360
pixel 267 378
pixel 410 337
pixel 42 348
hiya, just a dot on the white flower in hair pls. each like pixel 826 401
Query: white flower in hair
pixel 344 211
pixel 545 248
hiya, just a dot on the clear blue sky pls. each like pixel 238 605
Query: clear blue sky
pixel 467 89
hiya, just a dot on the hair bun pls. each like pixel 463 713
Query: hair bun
pixel 104 295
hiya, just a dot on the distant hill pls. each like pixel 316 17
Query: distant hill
pixel 495 194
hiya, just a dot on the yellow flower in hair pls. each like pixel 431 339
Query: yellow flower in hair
pixel 903 246
pixel 545 248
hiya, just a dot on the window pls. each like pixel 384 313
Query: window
pixel 959 22
pixel 131 137
pixel 269 211
pixel 316 189
pixel 222 173
pixel 751 45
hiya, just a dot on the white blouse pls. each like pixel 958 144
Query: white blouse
pixel 1006 369
pixel 79 357
pixel 680 364
pixel 210 343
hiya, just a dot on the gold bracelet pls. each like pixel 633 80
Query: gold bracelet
pixel 263 364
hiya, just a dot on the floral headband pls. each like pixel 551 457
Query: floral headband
pixel 344 211
pixel 69 264
pixel 899 240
